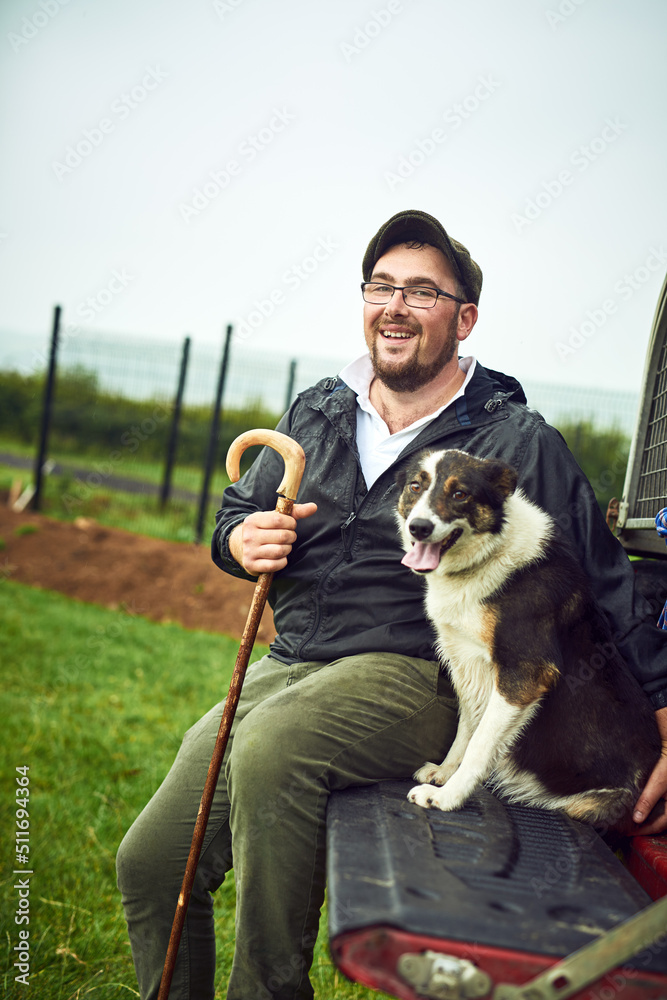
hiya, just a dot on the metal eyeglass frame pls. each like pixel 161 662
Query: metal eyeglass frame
pixel 402 288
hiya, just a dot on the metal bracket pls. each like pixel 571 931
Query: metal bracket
pixel 594 960
pixel 623 511
pixel 443 977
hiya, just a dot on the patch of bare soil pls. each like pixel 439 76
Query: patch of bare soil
pixel 164 581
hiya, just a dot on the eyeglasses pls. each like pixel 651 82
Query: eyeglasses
pixel 417 296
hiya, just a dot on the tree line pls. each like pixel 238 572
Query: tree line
pixel 91 421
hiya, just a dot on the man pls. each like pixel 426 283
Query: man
pixel 351 692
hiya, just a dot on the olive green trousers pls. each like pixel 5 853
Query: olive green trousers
pixel 301 731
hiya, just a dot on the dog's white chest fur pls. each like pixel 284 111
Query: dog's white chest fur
pixel 458 620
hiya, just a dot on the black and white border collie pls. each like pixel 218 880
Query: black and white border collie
pixel 549 713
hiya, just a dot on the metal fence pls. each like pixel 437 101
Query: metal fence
pixel 156 418
pixel 605 408
pixel 143 369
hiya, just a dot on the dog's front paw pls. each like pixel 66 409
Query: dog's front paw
pixel 434 798
pixel 422 795
pixel 434 774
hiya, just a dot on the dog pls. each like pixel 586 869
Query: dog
pixel 549 713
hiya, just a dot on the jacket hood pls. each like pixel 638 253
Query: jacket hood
pixel 487 385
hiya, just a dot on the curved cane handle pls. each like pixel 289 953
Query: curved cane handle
pixel 292 453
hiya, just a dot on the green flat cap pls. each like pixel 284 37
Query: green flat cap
pixel 404 227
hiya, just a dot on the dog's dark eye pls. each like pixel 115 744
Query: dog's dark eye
pixel 460 495
pixel 415 487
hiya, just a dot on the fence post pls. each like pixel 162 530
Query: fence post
pixel 212 439
pixel 173 430
pixel 290 384
pixel 47 409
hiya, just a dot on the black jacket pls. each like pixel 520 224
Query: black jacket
pixel 345 591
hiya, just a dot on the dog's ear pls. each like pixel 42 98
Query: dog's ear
pixel 407 468
pixel 504 477
pixel 401 476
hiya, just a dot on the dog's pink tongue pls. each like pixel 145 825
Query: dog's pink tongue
pixel 423 556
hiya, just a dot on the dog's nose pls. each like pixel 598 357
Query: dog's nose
pixel 420 528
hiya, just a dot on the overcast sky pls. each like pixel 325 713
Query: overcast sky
pixel 171 167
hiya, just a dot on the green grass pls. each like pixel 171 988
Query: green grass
pixel 26 529
pixel 95 704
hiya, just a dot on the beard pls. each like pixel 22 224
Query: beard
pixel 410 375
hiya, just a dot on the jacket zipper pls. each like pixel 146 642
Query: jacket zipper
pixel 347 536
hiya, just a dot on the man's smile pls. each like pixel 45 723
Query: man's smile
pixel 394 329
pixel 398 334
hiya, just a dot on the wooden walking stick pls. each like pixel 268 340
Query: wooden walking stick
pixel 295 461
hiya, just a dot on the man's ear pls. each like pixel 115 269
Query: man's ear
pixel 467 319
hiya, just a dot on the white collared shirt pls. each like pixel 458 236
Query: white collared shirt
pixel 378 448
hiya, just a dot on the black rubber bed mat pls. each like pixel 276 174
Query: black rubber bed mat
pixel 494 877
